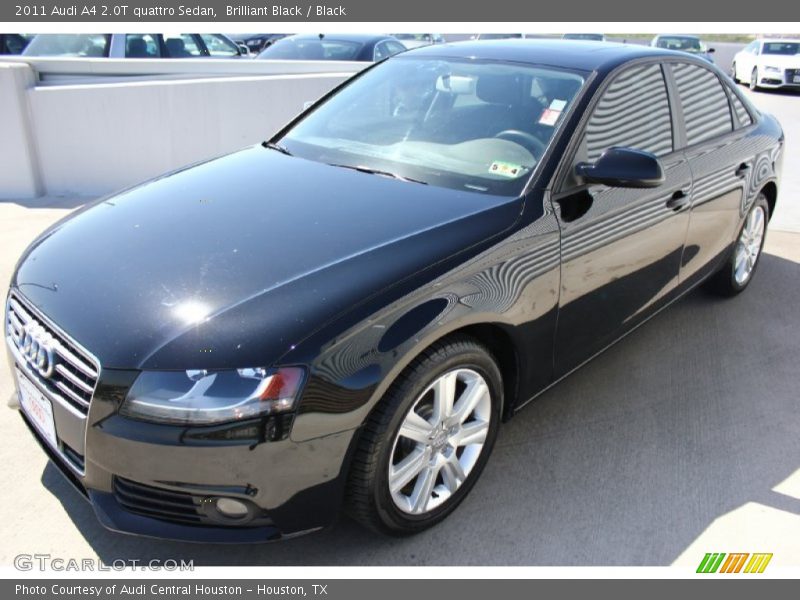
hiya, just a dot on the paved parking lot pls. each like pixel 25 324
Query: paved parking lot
pixel 682 439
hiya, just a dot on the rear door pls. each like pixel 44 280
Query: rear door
pixel 721 158
pixel 621 247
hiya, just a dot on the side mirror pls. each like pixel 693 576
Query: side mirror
pixel 711 50
pixel 244 50
pixel 623 167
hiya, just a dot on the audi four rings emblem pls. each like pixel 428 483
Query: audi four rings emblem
pixel 38 348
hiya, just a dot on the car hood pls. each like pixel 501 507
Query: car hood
pixel 781 61
pixel 232 262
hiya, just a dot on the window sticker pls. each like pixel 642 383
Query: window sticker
pixel 506 169
pixel 558 105
pixel 549 117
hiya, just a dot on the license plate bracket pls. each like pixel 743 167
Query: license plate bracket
pixel 38 408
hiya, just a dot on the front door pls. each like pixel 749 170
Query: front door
pixel 620 247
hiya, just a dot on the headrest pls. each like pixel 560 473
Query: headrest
pixel 499 89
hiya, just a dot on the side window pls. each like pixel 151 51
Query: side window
pixel 15 44
pixel 381 51
pixel 395 47
pixel 219 46
pixel 182 45
pixel 142 45
pixel 706 111
pixel 633 112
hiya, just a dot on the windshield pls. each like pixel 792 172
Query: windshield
pixel 312 49
pixel 787 48
pixel 687 44
pixel 47 44
pixel 479 126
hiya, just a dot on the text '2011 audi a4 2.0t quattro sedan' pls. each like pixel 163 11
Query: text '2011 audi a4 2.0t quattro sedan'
pixel 340 318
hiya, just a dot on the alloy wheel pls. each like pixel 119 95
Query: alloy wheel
pixel 748 247
pixel 439 441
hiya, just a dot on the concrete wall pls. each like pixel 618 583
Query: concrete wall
pixel 19 173
pixel 94 138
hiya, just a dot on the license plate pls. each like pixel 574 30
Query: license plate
pixel 37 408
pixel 797 79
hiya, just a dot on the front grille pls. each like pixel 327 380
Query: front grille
pixel 157 503
pixel 74 372
pixel 790 74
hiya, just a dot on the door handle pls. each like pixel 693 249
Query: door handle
pixel 742 170
pixel 679 200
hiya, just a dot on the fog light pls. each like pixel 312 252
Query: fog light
pixel 233 509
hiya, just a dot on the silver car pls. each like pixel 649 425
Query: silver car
pixel 134 45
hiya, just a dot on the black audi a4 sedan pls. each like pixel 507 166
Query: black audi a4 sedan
pixel 340 318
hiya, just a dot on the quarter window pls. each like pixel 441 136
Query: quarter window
pixel 633 112
pixel 741 112
pixel 706 111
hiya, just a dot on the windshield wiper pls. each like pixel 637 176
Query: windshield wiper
pixel 276 146
pixel 371 171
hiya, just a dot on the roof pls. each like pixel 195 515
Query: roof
pixel 570 54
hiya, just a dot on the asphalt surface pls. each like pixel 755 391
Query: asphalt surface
pixel 682 439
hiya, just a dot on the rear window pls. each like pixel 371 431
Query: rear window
pixel 312 49
pixel 89 45
pixel 686 44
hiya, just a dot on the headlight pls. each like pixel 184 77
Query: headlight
pixel 205 397
pixel 772 69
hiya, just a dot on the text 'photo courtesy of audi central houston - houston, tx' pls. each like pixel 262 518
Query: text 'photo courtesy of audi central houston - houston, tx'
pixel 339 319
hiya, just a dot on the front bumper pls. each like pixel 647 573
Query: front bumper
pixel 783 79
pixel 160 480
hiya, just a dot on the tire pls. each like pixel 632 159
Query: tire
pixel 754 80
pixel 409 508
pixel 733 73
pixel 731 279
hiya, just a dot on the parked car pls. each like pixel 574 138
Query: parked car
pixel 345 314
pixel 417 40
pixel 684 43
pixel 351 46
pixel 13 43
pixel 256 42
pixel 134 45
pixel 590 37
pixel 769 63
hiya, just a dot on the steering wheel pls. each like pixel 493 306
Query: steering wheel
pixel 523 138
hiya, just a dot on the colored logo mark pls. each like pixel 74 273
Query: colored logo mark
pixel 739 562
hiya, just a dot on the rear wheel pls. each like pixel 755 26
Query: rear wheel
pixel 738 270
pixel 428 440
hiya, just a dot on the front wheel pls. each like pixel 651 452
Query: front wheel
pixel 738 270
pixel 754 80
pixel 733 73
pixel 428 440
